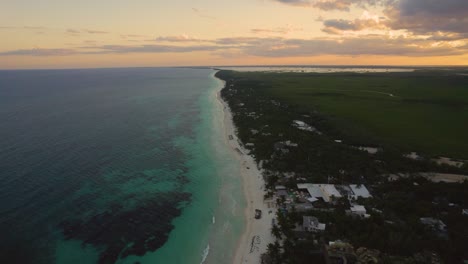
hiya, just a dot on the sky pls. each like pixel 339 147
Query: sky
pixel 142 33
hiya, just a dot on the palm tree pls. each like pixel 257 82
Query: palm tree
pixel 276 232
pixel 274 251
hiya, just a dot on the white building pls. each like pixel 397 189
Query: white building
pixel 327 192
pixel 359 210
pixel 359 191
pixel 303 126
pixel 311 224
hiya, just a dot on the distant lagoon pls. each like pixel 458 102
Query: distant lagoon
pixel 321 69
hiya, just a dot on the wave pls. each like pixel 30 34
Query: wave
pixel 205 253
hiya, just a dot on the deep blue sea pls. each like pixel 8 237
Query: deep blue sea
pixel 113 166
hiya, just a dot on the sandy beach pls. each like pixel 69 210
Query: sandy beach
pixel 257 233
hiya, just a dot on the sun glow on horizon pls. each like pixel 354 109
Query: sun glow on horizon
pixel 274 32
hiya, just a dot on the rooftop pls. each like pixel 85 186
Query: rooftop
pixel 312 189
pixel 310 223
pixel 330 190
pixel 358 208
pixel 360 190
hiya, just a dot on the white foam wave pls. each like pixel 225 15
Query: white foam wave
pixel 205 253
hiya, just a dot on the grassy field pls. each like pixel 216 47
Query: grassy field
pixel 425 112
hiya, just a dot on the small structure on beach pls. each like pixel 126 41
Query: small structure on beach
pixel 281 191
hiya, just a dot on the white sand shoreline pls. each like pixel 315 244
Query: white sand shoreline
pixel 257 232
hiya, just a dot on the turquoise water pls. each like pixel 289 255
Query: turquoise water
pixel 208 230
pixel 116 166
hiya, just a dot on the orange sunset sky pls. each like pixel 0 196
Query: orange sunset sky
pixel 123 33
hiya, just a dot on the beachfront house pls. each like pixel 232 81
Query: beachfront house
pixel 281 191
pixel 327 192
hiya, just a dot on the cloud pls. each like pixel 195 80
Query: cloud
pixel 24 27
pixel 33 27
pixel 119 49
pixel 179 38
pixel 133 36
pixel 328 5
pixel 370 45
pixel 90 31
pixel 276 47
pixel 337 26
pixel 428 16
pixel 39 52
pixel 202 14
pixel 442 36
pixel 245 41
pixel 295 2
pixel 72 31
pixel 279 30
pixel 90 42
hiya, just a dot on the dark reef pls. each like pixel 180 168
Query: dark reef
pixel 121 233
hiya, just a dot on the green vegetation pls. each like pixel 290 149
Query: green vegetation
pixel 265 121
pixel 342 112
pixel 424 112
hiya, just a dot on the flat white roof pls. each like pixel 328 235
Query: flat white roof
pixel 320 190
pixel 312 189
pixel 360 191
pixel 358 208
pixel 299 123
pixel 330 190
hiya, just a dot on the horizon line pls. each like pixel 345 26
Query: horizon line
pixel 245 66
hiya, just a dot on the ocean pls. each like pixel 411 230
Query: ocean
pixel 116 166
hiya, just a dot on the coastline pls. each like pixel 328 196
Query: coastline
pixel 257 232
